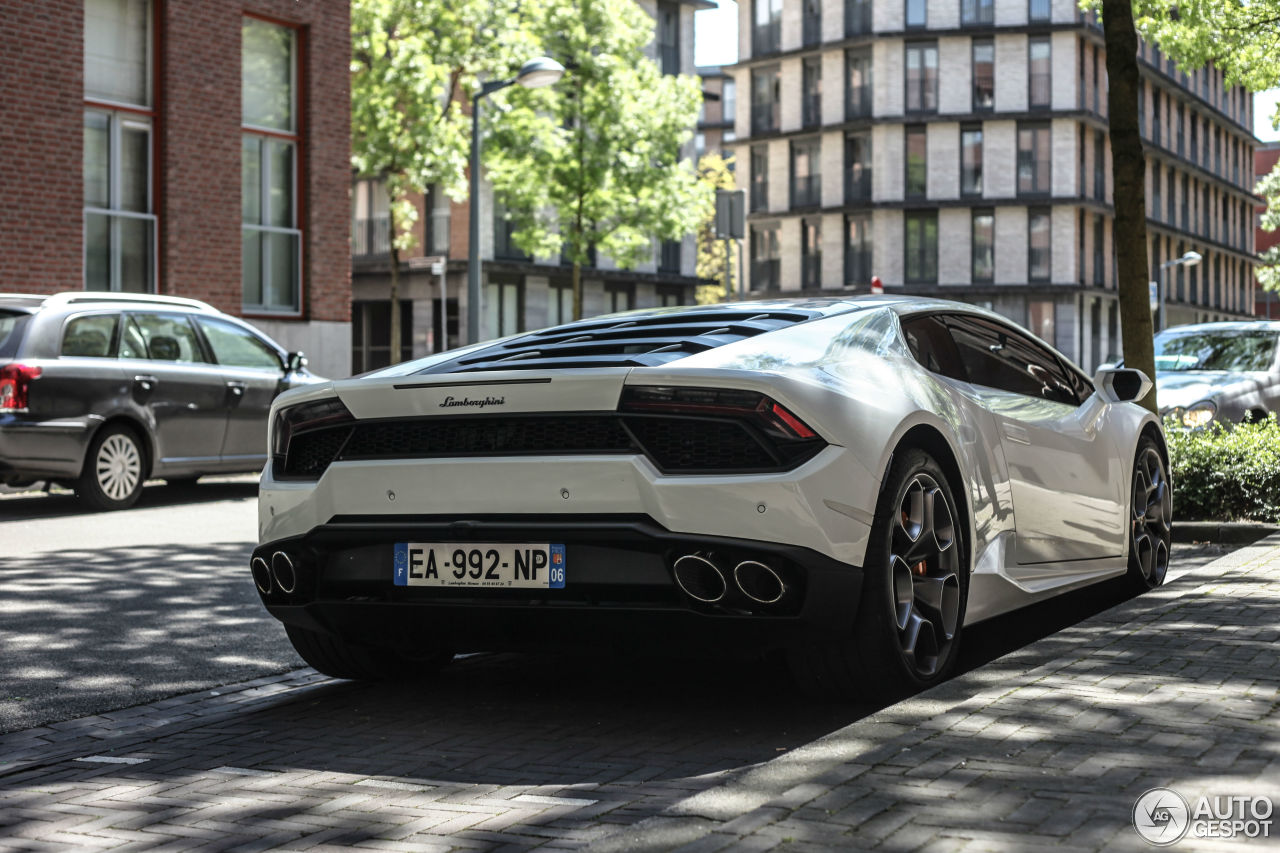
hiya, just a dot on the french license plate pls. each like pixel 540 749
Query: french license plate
pixel 502 565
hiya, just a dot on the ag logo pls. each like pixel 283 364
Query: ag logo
pixel 1161 816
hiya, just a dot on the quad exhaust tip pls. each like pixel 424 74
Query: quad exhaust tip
pixel 700 578
pixel 759 582
pixel 283 572
pixel 261 575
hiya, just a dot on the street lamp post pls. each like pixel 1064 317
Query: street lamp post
pixel 542 71
pixel 1190 259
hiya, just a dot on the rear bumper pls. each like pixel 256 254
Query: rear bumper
pixel 42 449
pixel 619 588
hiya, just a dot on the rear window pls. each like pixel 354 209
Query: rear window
pixel 11 325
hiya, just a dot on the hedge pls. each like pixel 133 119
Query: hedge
pixel 1229 473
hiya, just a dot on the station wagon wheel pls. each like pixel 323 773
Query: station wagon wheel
pixel 114 469
pixel 1150 517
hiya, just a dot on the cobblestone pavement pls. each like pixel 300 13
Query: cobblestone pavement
pixel 1047 746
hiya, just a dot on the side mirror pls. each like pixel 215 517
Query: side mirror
pixel 297 361
pixel 1121 384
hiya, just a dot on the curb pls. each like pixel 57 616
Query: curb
pixel 1223 532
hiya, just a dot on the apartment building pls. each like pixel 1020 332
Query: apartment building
pixel 1266 302
pixel 719 106
pixel 519 292
pixel 959 148
pixel 182 147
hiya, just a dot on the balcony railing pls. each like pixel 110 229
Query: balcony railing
pixel 811 112
pixel 759 196
pixel 765 274
pixel 857 266
pixel 766 38
pixel 857 102
pixel 1040 94
pixel 811 271
pixel 812 30
pixel 669 59
pixel 806 191
pixel 371 237
pixel 857 185
pixel 857 17
pixel 764 117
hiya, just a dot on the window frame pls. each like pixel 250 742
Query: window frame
pixel 927 271
pixel 974 214
pixel 926 96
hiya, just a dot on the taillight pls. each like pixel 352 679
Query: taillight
pixel 305 417
pixel 15 383
pixel 752 406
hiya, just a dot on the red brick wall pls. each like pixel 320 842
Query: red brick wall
pixel 197 147
pixel 41 135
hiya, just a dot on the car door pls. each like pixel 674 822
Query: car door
pixel 1066 481
pixel 172 378
pixel 254 373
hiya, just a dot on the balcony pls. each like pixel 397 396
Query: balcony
pixel 765 274
pixel 857 17
pixel 759 196
pixel 811 109
pixel 764 118
pixel 371 237
pixel 766 38
pixel 812 30
pixel 857 102
pixel 806 191
pixel 857 185
pixel 811 271
pixel 857 266
pixel 1039 94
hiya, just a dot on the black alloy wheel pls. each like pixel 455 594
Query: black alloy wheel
pixel 1150 517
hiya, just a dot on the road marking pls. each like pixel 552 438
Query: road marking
pixel 111 759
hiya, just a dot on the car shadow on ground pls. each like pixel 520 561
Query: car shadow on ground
pixel 61 502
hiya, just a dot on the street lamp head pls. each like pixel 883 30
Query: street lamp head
pixel 542 71
pixel 1191 258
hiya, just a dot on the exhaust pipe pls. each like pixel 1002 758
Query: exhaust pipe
pixel 759 582
pixel 282 569
pixel 261 575
pixel 700 579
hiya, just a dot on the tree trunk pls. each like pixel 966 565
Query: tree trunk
pixel 1128 170
pixel 395 286
pixel 577 290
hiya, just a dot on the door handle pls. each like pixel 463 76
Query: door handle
pixel 145 383
pixel 1016 433
pixel 236 391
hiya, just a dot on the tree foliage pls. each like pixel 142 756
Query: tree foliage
pixel 715 171
pixel 593 163
pixel 413 63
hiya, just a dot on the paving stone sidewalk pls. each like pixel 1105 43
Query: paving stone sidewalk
pixel 1046 748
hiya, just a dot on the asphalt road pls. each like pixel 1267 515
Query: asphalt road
pixel 100 611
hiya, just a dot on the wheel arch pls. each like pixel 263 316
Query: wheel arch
pixel 928 438
pixel 145 440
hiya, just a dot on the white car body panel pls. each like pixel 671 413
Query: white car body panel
pixel 1045 485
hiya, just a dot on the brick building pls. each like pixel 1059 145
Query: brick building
pixel 959 148
pixel 1266 302
pixel 192 147
pixel 519 292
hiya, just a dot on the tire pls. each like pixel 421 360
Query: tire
pixel 1150 517
pixel 114 469
pixel 915 588
pixel 338 658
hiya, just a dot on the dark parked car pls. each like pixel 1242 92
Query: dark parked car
pixel 99 391
pixel 1229 372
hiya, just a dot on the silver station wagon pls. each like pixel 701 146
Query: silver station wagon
pixel 101 391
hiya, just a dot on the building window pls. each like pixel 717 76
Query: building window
pixel 921 247
pixel 922 78
pixel 371 334
pixel 669 256
pixel 504 247
pixel 119 226
pixel 370 219
pixel 759 177
pixel 765 271
pixel 1039 88
pixel 1037 11
pixel 811 112
pixel 503 307
pixel 729 99
pixel 766 35
pixel 857 250
pixel 1040 319
pixel 1179 132
pixel 971 160
pixel 271 244
pixel 810 253
pixel 811 26
pixel 559 302
pixel 668 37
pixel 857 92
pixel 1184 198
pixel 1033 159
pixel 764 100
pixel 619 296
pixel 1099 165
pixel 857 162
pixel 917 161
pixel 1155 118
pixel 984 244
pixel 1157 182
pixel 917 13
pixel 806 174
pixel 1170 197
pixel 984 75
pixel 857 17
pixel 670 295
pixel 975 13
pixel 1099 254
pixel 1038 245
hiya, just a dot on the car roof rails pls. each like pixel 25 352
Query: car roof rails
pixel 90 296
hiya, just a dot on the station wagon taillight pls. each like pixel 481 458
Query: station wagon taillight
pixel 15 382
